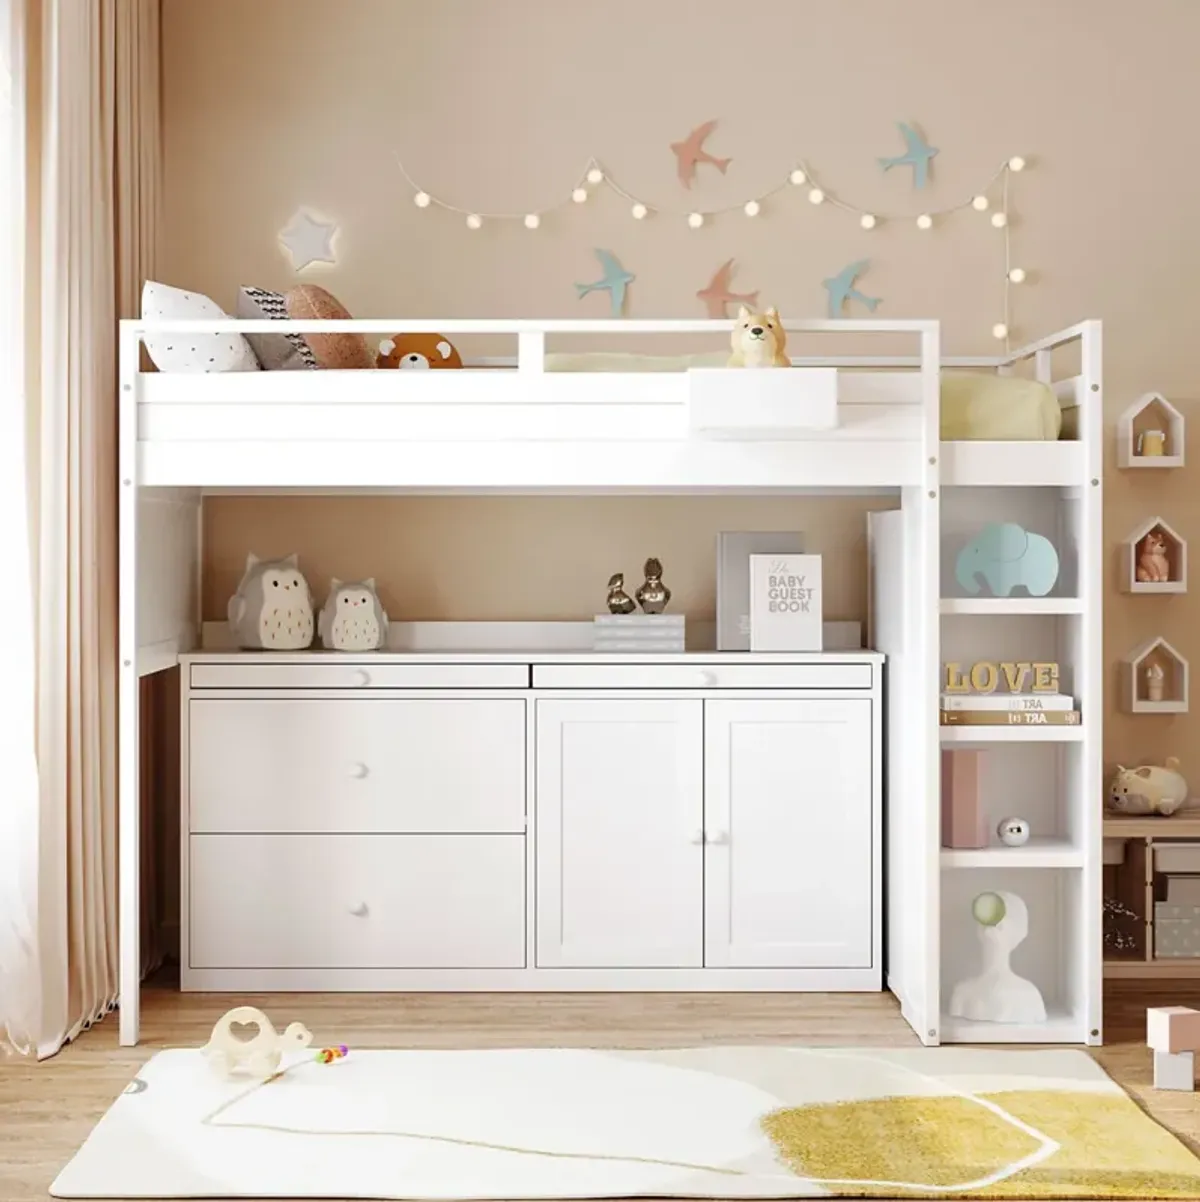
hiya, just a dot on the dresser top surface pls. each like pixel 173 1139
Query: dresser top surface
pixel 320 656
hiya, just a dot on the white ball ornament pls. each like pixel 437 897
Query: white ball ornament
pixel 579 195
pixel 980 204
pixel 867 221
pixel 816 196
pixel 924 222
pixel 532 221
pixel 1016 163
pixel 999 330
pixel 639 211
pixel 999 220
pixel 422 199
pixel 474 221
pixel 1013 832
pixel 1017 275
pixel 752 208
pixel 695 220
pixel 798 177
pixel 595 175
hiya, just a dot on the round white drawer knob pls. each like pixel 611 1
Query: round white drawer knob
pixel 362 676
pixel 358 771
pixel 708 678
pixel 359 911
pixel 696 837
pixel 718 837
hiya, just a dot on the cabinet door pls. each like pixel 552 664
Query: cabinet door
pixel 619 817
pixel 789 834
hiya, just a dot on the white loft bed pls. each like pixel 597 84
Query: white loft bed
pixel 516 427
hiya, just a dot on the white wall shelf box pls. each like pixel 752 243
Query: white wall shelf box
pixel 1155 655
pixel 567 820
pixel 1152 411
pixel 1176 553
pixel 777 402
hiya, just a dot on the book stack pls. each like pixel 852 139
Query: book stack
pixel 1009 709
pixel 645 633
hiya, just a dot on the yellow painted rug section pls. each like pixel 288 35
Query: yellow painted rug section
pixel 1108 1147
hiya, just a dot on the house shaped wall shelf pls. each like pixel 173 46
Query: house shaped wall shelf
pixel 1136 562
pixel 1150 433
pixel 1155 680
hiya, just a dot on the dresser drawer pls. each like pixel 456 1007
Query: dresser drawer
pixel 335 673
pixel 703 676
pixel 356 764
pixel 356 901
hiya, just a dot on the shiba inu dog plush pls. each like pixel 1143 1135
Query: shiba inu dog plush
pixel 758 340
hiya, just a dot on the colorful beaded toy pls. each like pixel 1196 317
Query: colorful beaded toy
pixel 328 1055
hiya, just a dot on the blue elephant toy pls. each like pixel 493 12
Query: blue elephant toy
pixel 1006 555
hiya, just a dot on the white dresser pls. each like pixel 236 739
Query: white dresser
pixel 538 822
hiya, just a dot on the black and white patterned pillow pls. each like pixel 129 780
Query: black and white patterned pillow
pixel 196 352
pixel 275 352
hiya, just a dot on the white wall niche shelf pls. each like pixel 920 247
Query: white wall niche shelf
pixel 1155 659
pixel 1151 411
pixel 1174 548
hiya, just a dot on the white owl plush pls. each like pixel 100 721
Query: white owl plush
pixel 272 608
pixel 352 618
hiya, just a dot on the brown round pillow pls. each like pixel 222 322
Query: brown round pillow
pixel 314 303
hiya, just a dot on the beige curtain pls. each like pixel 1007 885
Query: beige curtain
pixel 94 159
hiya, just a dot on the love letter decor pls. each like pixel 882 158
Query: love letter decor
pixel 987 676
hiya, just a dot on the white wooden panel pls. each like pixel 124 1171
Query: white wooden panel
pixel 168 577
pixel 789 834
pixel 357 765
pixel 800 465
pixel 619 842
pixel 703 676
pixel 762 403
pixel 1011 463
pixel 357 901
pixel 364 674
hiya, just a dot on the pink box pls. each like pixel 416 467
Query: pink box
pixel 1173 1029
pixel 964 823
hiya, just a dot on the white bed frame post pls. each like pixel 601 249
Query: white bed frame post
pixel 128 785
pixel 926 633
pixel 1090 672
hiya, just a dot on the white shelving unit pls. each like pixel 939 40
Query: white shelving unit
pixel 1155 654
pixel 1049 775
pixel 1174 548
pixel 1152 410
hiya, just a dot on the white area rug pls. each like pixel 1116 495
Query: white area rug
pixel 712 1122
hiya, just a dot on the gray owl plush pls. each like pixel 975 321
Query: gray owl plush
pixel 352 618
pixel 272 608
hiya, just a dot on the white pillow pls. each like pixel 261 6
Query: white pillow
pixel 192 352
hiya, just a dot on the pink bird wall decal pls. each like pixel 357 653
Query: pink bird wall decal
pixel 716 295
pixel 691 151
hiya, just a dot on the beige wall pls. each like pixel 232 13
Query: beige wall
pixel 277 104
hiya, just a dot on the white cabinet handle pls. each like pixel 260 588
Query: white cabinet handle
pixel 696 837
pixel 362 676
pixel 358 771
pixel 708 678
pixel 359 911
pixel 717 837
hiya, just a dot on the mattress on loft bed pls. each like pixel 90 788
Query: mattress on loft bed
pixel 976 406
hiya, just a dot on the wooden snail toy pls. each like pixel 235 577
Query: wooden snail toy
pixel 259 1055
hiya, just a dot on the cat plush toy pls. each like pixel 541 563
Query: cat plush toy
pixel 272 609
pixel 352 618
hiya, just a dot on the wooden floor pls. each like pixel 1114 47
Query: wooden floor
pixel 47 1109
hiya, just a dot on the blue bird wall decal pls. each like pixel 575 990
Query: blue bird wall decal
pixel 917 154
pixel 614 281
pixel 841 289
